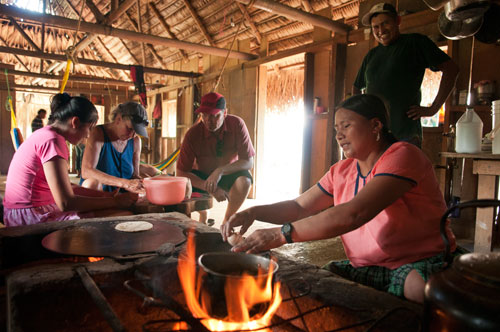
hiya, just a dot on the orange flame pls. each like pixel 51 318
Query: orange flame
pixel 241 295
pixel 95 259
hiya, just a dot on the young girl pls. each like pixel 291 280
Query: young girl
pixel 38 188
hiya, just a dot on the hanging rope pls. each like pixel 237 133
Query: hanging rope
pixel 227 56
pixel 70 52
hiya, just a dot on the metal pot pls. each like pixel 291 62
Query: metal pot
pixel 466 295
pixel 455 30
pixel 435 4
pixel 219 268
pixel 456 10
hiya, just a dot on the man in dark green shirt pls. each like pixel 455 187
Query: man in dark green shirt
pixel 37 122
pixel 394 70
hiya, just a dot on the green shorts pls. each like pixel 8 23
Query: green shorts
pixel 385 279
pixel 226 181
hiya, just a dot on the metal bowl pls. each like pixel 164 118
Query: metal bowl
pixel 455 30
pixel 234 265
pixel 219 270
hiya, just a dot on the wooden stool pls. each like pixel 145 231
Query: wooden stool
pixel 204 202
pixel 187 206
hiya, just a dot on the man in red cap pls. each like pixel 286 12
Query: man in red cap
pixel 394 70
pixel 217 154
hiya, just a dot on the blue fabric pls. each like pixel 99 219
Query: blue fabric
pixel 115 163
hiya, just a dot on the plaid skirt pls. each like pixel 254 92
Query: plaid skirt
pixel 385 279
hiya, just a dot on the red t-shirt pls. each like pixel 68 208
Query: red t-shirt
pixel 405 231
pixel 199 147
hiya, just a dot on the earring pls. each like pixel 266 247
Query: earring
pixel 378 136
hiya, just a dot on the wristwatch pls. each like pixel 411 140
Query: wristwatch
pixel 286 230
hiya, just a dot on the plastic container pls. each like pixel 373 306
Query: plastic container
pixel 495 121
pixel 469 133
pixel 165 190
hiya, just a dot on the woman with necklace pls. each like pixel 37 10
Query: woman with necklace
pixel 383 200
pixel 112 156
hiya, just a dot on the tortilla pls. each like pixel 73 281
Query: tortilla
pixel 234 239
pixel 134 226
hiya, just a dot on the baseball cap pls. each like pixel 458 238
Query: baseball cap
pixel 137 115
pixel 212 103
pixel 379 8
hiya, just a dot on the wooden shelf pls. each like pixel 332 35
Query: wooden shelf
pixel 477 108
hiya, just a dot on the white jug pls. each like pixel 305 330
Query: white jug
pixel 469 133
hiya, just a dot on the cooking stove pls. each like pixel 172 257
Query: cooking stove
pixel 56 292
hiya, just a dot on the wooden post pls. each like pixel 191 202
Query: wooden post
pixel 308 108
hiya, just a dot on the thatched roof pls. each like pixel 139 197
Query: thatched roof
pixel 210 23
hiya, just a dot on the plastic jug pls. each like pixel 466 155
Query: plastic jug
pixel 495 113
pixel 469 133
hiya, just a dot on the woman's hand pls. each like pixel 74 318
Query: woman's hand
pixel 134 186
pixel 244 219
pixel 125 200
pixel 261 240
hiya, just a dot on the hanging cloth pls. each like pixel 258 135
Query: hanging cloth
pixel 137 75
pixel 157 112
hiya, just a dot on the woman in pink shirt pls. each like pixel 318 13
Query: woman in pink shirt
pixel 38 187
pixel 383 200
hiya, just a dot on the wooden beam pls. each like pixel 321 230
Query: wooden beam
pixel 15 55
pixel 96 80
pixel 20 87
pixel 25 36
pixel 308 110
pixel 255 31
pixel 59 57
pixel 129 51
pixel 99 17
pixel 165 26
pixel 121 9
pixel 198 22
pixel 42 31
pixel 149 46
pixel 110 18
pixel 106 30
pixel 103 45
pixel 307 6
pixel 139 29
pixel 298 15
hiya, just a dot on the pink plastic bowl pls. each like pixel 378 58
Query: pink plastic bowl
pixel 165 190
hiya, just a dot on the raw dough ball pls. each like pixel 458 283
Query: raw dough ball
pixel 235 239
pixel 134 226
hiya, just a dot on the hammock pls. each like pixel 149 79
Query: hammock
pixel 169 161
pixel 15 133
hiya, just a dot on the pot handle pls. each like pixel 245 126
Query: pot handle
pixel 473 203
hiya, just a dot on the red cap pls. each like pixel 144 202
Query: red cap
pixel 212 103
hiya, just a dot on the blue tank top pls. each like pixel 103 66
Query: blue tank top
pixel 113 162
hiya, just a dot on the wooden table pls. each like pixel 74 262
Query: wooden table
pixel 486 167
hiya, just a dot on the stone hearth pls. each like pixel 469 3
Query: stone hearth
pixel 46 292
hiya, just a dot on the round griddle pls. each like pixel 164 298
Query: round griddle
pixel 101 239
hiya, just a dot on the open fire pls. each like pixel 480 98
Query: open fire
pixel 241 294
